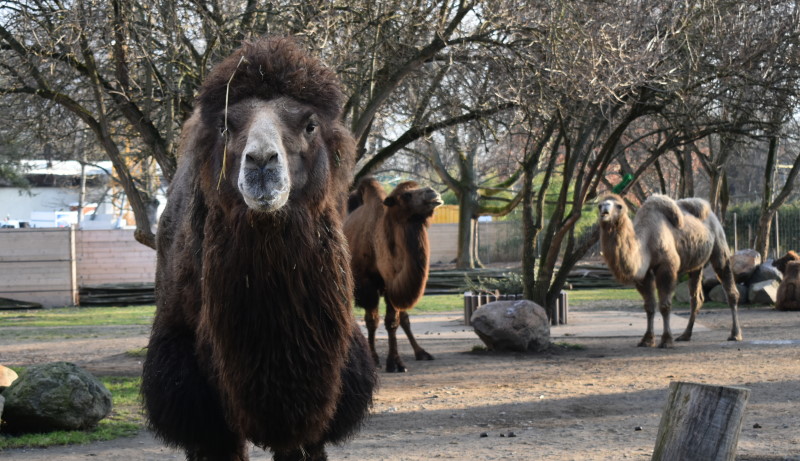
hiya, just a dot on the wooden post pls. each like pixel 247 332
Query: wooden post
pixel 73 267
pixel 700 423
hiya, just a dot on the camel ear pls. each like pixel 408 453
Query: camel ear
pixel 390 201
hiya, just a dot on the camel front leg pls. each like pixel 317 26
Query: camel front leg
pixel 312 453
pixel 647 288
pixel 393 362
pixel 419 352
pixel 725 274
pixel 665 281
pixel 372 319
pixel 695 301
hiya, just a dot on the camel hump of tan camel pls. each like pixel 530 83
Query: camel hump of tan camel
pixel 661 206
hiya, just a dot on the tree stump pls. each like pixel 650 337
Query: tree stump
pixel 700 422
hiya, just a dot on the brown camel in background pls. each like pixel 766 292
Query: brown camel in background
pixel 666 239
pixel 788 298
pixel 781 262
pixel 388 237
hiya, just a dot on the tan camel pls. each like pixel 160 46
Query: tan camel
pixel 666 239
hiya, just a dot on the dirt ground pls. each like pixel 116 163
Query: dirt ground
pixel 588 398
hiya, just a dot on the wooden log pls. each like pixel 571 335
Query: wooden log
pixel 700 422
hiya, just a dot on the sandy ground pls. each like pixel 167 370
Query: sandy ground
pixel 593 396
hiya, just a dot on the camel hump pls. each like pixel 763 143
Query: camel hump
pixel 368 190
pixel 696 207
pixel 665 206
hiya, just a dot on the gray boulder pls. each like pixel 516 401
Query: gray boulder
pixel 765 272
pixel 765 292
pixel 682 292
pixel 2 403
pixel 743 263
pixel 717 294
pixel 55 396
pixel 512 325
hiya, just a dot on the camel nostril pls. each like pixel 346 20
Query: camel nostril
pixel 258 161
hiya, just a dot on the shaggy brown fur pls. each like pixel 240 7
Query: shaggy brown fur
pixel 789 289
pixel 781 262
pixel 667 238
pixel 388 237
pixel 253 337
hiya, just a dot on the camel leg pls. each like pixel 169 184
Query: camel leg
pixel 419 352
pixel 372 319
pixel 666 281
pixel 393 362
pixel 696 302
pixel 183 408
pixel 214 455
pixel 312 453
pixel 647 288
pixel 725 274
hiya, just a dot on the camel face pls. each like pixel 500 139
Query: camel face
pixel 274 137
pixel 413 200
pixel 609 210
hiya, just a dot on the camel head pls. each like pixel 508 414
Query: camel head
pixel 610 208
pixel 413 201
pixel 273 144
pixel 269 118
pixel 793 270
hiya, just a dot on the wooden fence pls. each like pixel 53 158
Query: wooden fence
pixel 50 266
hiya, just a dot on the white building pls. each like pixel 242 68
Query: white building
pixel 54 197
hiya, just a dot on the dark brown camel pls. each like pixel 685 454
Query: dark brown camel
pixel 388 237
pixel 667 238
pixel 788 297
pixel 254 338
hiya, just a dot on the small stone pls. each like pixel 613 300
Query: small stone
pixel 484 434
pixel 637 428
pixel 512 434
pixel 756 426
pixel 502 435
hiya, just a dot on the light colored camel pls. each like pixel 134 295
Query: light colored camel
pixel 666 239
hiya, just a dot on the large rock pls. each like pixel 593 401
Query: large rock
pixel 765 292
pixel 2 403
pixel 765 272
pixel 743 263
pixel 717 294
pixel 55 396
pixel 682 292
pixel 7 376
pixel 512 325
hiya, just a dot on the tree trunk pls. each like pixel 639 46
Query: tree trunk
pixel 700 422
pixel 466 211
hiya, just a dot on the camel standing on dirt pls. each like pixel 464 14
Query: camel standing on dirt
pixel 666 239
pixel 388 237
pixel 253 338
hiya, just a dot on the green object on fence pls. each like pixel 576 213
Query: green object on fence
pixel 621 186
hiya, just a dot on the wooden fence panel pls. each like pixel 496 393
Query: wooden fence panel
pixel 113 256
pixel 36 265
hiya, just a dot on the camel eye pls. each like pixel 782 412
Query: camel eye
pixel 619 207
pixel 311 127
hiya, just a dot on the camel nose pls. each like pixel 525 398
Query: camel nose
pixel 260 160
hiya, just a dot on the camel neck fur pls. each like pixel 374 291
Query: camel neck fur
pixel 408 243
pixel 622 250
